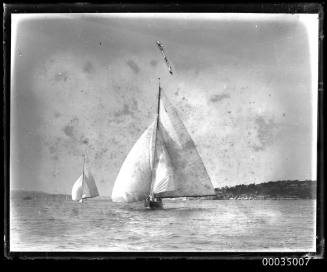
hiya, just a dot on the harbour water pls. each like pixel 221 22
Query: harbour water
pixel 59 224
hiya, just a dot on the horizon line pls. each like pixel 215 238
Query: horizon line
pixel 56 193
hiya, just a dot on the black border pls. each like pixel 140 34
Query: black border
pixel 174 7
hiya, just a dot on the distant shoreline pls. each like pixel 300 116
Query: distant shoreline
pixel 283 189
pixel 272 190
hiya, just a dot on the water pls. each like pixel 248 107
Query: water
pixel 58 224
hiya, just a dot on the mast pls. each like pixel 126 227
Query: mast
pixel 155 137
pixel 160 46
pixel 83 162
pixel 83 173
pixel 158 107
pixel 157 122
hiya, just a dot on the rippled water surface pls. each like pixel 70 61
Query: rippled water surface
pixel 58 224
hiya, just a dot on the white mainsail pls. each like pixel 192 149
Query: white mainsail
pixel 191 177
pixel 84 187
pixel 163 161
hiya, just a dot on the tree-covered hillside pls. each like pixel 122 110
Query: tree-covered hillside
pixel 293 189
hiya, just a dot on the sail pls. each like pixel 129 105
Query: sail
pixel 77 190
pixel 89 187
pixel 190 175
pixel 175 170
pixel 163 173
pixel 133 181
pixel 84 189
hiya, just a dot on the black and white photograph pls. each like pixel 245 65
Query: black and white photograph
pixel 163 132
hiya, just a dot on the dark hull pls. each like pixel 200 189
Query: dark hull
pixel 153 204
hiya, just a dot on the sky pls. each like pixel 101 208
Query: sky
pixel 245 87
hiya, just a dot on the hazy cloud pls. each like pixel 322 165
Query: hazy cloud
pixel 265 132
pixel 69 129
pixel 219 97
pixel 153 62
pixel 88 67
pixel 132 64
pixel 61 76
pixel 124 111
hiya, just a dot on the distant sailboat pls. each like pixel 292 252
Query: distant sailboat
pixel 85 186
pixel 163 163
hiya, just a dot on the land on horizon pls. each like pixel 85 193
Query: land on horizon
pixel 285 189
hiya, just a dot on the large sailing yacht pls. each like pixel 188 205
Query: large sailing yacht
pixel 163 163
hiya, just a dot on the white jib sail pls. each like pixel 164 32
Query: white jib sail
pixel 133 182
pixel 84 189
pixel 163 173
pixel 77 190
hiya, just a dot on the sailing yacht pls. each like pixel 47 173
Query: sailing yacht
pixel 163 163
pixel 84 187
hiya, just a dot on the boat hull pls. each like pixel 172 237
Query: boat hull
pixel 150 204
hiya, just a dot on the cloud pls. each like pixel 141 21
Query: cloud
pixel 219 97
pixel 266 130
pixel 85 141
pixel 153 62
pixel 70 129
pixel 88 67
pixel 52 149
pixel 61 76
pixel 57 114
pixel 132 64
pixel 124 111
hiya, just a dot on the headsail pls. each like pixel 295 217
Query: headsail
pixel 77 190
pixel 133 182
pixel 163 172
pixel 190 175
